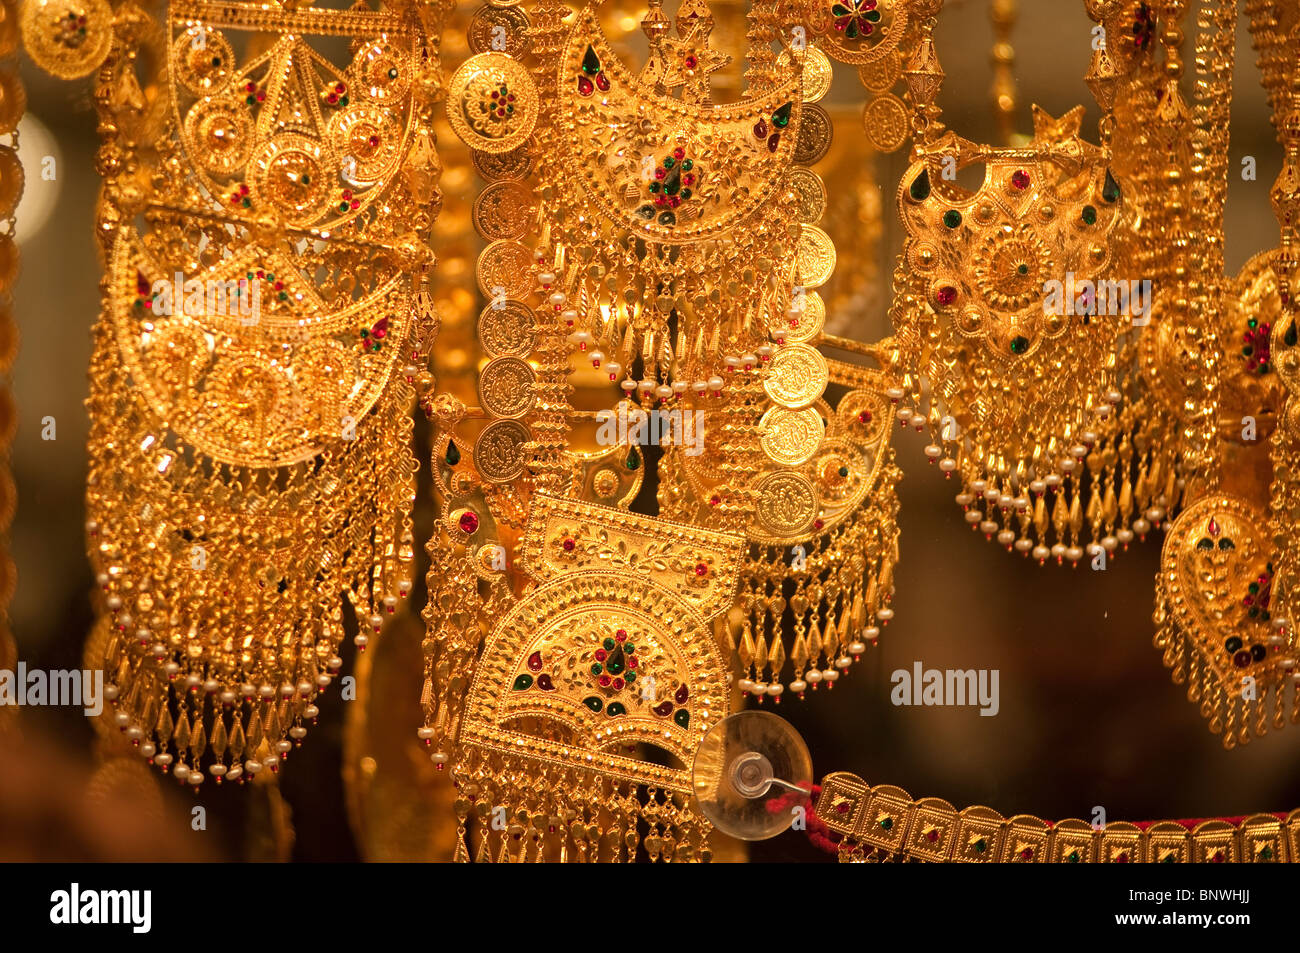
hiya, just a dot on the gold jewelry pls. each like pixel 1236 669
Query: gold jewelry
pixel 883 823
pixel 263 336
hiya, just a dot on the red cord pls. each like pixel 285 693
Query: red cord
pixel 818 833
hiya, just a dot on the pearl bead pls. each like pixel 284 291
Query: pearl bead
pixel 227 697
pixel 148 749
pixel 323 680
pixel 843 662
pixel 111 692
pixel 266 692
pixel 933 451
pixel 614 368
pixel 298 732
pixel 558 298
pixel 181 772
pixel 857 648
pixel 217 770
pixel 1024 545
pixel 830 675
pixel 311 711
pixel 122 719
pixel 974 516
pixel 163 759
pixel 813 676
pixel 775 688
pixel 663 391
pixel 700 386
pixel 596 358
pixel 1124 536
pixel 252 766
pixel 715 383
pixel 744 685
pixel 680 387
pixel 424 734
pixel 988 527
pixel 947 464
pixel 628 385
pixel 871 632
pixel 1006 537
pixel 546 278
pixel 798 686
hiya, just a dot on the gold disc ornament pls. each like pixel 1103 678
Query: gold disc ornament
pixel 885 120
pixel 498 30
pixel 810 194
pixel 814 258
pixel 796 377
pixel 502 270
pixel 492 103
pixel 503 210
pixel 817 75
pixel 505 329
pixel 791 437
pixel 815 131
pixel 67 38
pixel 505 387
pixel 499 451
pixel 787 503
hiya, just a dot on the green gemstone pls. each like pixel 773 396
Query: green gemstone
pixel 887 823
pixel 523 682
pixel 594 703
pixel 920 187
pixel 453 453
pixel 669 162
pixel 615 663
pixel 1089 215
pixel 654 188
pixel 633 459
pixel 629 649
pixel 952 218
pixel 1022 269
pixel 630 676
pixel 1289 338
pixel 844 471
pixel 615 709
pixel 343 101
pixel 781 118
pixel 686 193
pixel 1171 858
pixel 688 164
pixel 1019 344
pixel 980 846
pixel 873 16
pixel 597 668
pixel 1111 190
pixel 1266 854
pixel 1074 857
pixel 590 62
pixel 683 718
pixel 1252 323
pixel 609 645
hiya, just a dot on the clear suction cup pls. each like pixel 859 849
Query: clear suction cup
pixel 746 766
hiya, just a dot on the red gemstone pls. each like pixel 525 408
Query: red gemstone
pixel 682 694
pixel 604 681
pixel 600 655
pixel 818 524
pixel 535 661
pixel 468 522
pixel 946 295
pixel 1027 854
pixel 679 153
pixel 663 709
pixel 618 684
pixel 568 545
pixel 632 662
pixel 932 836
pixel 544 683
pixel 1020 179
pixel 842 807
pixel 1213 527
pixel 602 82
pixel 773 141
pixel 864 417
pixel 690 62
pixel 701 569
pixel 584 86
pixel 760 130
pixel 620 635
pixel 1122 859
pixel 380 329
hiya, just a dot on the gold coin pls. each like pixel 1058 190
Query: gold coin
pixel 505 387
pixel 499 450
pixel 492 103
pixel 506 328
pixel 797 376
pixel 497 29
pixel 881 75
pixel 810 319
pixel 503 270
pixel 814 135
pixel 787 503
pixel 503 210
pixel 817 75
pixel 814 257
pixel 67 38
pixel 791 437
pixel 886 122
pixel 515 164
pixel 810 193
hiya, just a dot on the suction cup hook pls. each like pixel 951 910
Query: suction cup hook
pixel 744 764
